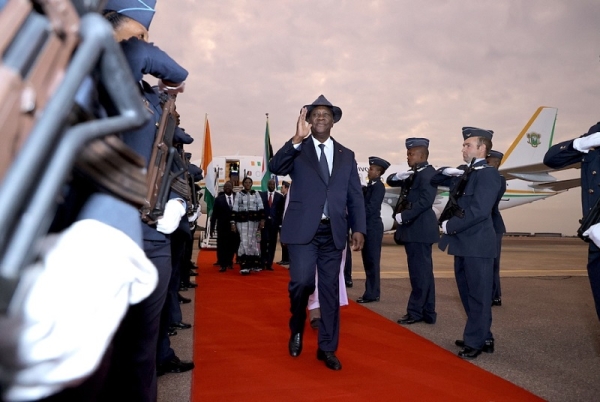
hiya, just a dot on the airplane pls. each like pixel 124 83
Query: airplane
pixel 527 178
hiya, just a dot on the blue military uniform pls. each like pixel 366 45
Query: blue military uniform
pixel 133 370
pixel 374 193
pixel 562 155
pixel 471 239
pixel 418 231
pixel 500 229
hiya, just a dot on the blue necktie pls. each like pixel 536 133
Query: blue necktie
pixel 325 171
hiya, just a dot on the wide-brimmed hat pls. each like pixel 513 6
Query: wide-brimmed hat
pixel 140 10
pixel 322 101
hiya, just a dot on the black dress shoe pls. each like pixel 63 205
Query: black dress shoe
pixel 173 366
pixel 295 344
pixel 331 361
pixel 180 325
pixel 223 269
pixel 364 300
pixel 183 300
pixel 408 319
pixel 488 346
pixel 497 302
pixel 269 268
pixel 188 285
pixel 283 262
pixel 172 332
pixel 193 273
pixel 349 284
pixel 469 353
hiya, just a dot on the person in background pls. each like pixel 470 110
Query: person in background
pixel 220 219
pixel 273 203
pixel 469 235
pixel 374 193
pixel 585 150
pixel 248 219
pixel 417 229
pixel 285 258
pixel 494 159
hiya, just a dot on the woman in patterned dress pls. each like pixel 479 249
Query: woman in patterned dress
pixel 249 218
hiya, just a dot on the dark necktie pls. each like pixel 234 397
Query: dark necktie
pixel 229 201
pixel 270 199
pixel 325 172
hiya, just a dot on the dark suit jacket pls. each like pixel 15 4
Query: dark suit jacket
pixel 419 224
pixel 309 191
pixel 472 235
pixel 274 213
pixel 221 214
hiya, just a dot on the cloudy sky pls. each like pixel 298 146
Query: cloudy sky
pixel 397 68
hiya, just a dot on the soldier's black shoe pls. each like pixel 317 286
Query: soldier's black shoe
pixel 349 283
pixel 488 346
pixel 174 366
pixel 469 353
pixel 497 302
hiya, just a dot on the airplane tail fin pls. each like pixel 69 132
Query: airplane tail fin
pixel 526 154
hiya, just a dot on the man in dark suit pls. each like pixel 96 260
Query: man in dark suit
pixel 325 202
pixel 227 239
pixel 494 159
pixel 417 229
pixel 273 203
pixel 469 235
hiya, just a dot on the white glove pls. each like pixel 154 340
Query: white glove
pixel 594 234
pixel 162 87
pixel 399 219
pixel 444 230
pixel 404 175
pixel 194 216
pixel 452 172
pixel 49 350
pixel 174 210
pixel 584 144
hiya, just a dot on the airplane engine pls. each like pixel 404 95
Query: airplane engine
pixel 386 216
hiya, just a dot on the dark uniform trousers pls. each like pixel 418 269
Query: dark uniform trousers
pixel 496 289
pixel 371 256
pixel 593 268
pixel 322 253
pixel 474 277
pixel 421 303
pixel 268 243
pixel 133 367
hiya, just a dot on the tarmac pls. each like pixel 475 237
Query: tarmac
pixel 547 333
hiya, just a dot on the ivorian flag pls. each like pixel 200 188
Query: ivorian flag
pixel 211 175
pixel 267 155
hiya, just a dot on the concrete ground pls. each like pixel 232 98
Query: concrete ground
pixel 547 332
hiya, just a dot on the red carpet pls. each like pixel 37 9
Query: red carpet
pixel 240 351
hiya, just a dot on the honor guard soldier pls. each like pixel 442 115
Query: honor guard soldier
pixel 494 159
pixel 417 229
pixel 585 150
pixel 468 234
pixel 374 193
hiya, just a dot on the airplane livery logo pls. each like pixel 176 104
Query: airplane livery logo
pixel 533 139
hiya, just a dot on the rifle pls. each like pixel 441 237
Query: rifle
pixel 452 208
pixel 402 204
pixel 588 220
pixel 161 171
pixel 49 51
